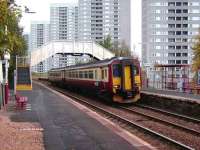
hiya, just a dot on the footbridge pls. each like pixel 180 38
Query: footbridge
pixel 74 48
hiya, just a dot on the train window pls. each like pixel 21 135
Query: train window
pixel 90 74
pixel 105 73
pixel 81 74
pixel 95 74
pixel 70 74
pixel 102 74
pixel 76 74
pixel 117 70
pixel 86 74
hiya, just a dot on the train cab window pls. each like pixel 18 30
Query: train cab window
pixel 117 70
pixel 135 70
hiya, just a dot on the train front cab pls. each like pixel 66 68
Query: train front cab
pixel 126 82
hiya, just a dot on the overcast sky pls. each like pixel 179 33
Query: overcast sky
pixel 42 9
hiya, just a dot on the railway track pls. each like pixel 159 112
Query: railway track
pixel 125 121
pixel 190 119
pixel 152 117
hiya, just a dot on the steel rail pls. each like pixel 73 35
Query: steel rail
pixel 170 113
pixel 193 131
pixel 128 122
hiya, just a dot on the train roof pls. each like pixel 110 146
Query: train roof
pixel 94 64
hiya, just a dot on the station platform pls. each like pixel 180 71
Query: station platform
pixel 67 125
pixel 172 94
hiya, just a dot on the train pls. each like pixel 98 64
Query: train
pixel 117 79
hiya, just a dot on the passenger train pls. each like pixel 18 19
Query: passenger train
pixel 117 79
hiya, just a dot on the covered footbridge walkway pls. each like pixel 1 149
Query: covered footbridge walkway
pixel 74 48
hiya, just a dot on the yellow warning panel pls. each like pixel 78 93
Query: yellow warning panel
pixel 127 74
pixel 24 87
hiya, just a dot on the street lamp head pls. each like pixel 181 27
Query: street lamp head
pixel 6 55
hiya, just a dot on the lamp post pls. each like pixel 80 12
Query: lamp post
pixel 6 59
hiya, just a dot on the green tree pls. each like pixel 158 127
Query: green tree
pixel 124 50
pixel 196 52
pixel 11 38
pixel 119 49
pixel 107 43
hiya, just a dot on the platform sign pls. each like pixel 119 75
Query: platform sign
pixel 199 77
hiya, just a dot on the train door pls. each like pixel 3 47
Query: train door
pixel 127 78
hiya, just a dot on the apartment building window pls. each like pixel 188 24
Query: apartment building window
pixel 185 61
pixel 185 10
pixel 171 54
pixel 171 11
pixel 157 11
pixel 178 61
pixel 178 54
pixel 178 25
pixel 171 25
pixel 185 3
pixel 178 32
pixel 185 32
pixel 171 18
pixel 185 18
pixel 178 3
pixel 178 47
pixel 178 18
pixel 171 47
pixel 178 39
pixel 178 11
pixel 157 18
pixel 171 32
pixel 185 25
pixel 171 4
pixel 185 47
pixel 184 40
pixel 171 61
pixel 184 54
pixel 171 39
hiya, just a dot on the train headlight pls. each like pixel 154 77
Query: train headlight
pixel 116 86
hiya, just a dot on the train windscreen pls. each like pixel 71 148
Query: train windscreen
pixel 117 70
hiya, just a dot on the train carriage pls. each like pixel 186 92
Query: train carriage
pixel 116 79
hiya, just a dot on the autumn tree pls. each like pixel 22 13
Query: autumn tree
pixel 196 52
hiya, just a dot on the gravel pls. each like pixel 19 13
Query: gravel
pixel 19 136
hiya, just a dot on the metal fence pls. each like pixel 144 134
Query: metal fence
pixel 171 77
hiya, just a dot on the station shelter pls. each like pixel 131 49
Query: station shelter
pixel 173 77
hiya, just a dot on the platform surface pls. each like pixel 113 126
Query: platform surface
pixel 65 126
pixel 175 94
